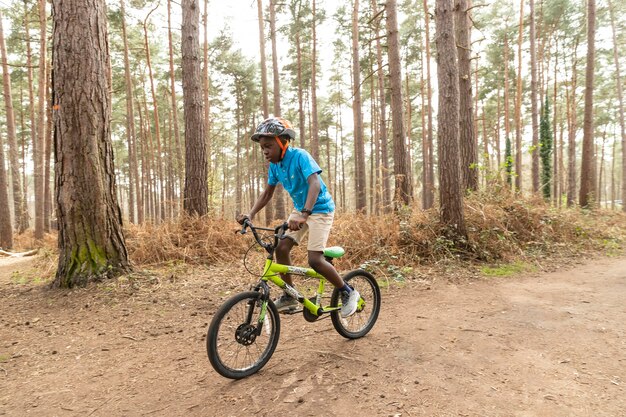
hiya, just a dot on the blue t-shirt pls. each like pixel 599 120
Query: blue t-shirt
pixel 292 172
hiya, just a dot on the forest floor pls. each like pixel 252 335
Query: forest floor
pixel 537 344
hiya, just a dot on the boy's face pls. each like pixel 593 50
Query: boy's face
pixel 269 147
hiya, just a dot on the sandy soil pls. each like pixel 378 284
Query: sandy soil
pixel 539 345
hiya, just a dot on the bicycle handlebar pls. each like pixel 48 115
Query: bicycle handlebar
pixel 279 231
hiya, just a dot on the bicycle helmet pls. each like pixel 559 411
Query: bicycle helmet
pixel 274 126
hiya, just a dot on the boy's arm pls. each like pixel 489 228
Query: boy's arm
pixel 314 191
pixel 261 202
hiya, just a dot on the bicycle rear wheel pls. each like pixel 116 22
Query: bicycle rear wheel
pixel 361 322
pixel 238 344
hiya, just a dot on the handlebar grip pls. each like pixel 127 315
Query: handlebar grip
pixel 246 224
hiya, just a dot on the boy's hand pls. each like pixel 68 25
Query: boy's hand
pixel 241 217
pixel 296 221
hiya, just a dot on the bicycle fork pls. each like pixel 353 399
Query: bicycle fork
pixel 264 289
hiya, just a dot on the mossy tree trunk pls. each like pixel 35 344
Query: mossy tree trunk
pixel 91 242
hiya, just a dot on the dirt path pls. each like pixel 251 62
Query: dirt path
pixel 543 345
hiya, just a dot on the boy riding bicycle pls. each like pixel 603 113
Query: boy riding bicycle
pixel 314 210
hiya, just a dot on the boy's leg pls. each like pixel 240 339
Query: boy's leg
pixel 285 302
pixel 319 230
pixel 283 251
pixel 325 268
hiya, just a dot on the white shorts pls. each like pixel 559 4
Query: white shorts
pixel 318 226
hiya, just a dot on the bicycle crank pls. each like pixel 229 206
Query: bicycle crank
pixel 308 316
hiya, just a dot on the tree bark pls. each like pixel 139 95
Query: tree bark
pixel 587 195
pixel 38 145
pixel 173 101
pixel 33 123
pixel 279 201
pixel 18 199
pixel 620 96
pixel 47 168
pixel 359 146
pixel 269 208
pixel 534 109
pixel 196 168
pixel 571 137
pixel 467 140
pixel 265 101
pixel 159 190
pixel 6 231
pixel 429 170
pixel 91 240
pixel 315 141
pixel 401 167
pixel 450 193
pixel 130 124
pixel 382 128
pixel 206 82
pixel 518 103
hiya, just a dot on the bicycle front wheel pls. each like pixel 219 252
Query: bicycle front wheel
pixel 361 322
pixel 239 342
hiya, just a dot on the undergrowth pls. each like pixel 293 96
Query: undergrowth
pixel 502 228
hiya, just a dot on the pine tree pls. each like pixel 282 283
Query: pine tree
pixel 91 239
pixel 545 149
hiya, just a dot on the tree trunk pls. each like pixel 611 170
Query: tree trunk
pixel 206 82
pixel 179 168
pixel 601 168
pixel 557 172
pixel 450 192
pixel 238 185
pixel 269 208
pixel 518 103
pixel 429 170
pixel 18 199
pixel 159 190
pixel 91 240
pixel 401 167
pixel 265 101
pixel 6 231
pixel 142 212
pixel 572 126
pixel 196 169
pixel 533 100
pixel 467 140
pixel 315 141
pixel 130 123
pixel 33 125
pixel 359 146
pixel 382 137
pixel 507 113
pixel 47 169
pixel 587 195
pixel 38 145
pixel 620 96
pixel 279 201
pixel 300 92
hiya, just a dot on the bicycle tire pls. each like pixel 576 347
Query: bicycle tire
pixel 233 350
pixel 361 322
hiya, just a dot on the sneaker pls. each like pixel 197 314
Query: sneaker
pixel 349 302
pixel 285 303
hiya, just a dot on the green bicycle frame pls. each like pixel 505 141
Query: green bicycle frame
pixel 272 271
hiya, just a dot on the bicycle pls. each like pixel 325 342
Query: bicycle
pixel 244 331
